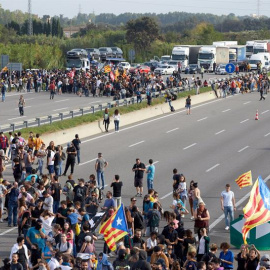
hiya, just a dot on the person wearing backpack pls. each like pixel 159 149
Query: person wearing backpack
pixel 80 192
pixel 153 217
pixel 64 246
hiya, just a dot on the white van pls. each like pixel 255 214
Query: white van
pixel 257 58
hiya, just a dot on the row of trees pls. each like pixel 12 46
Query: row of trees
pixel 51 27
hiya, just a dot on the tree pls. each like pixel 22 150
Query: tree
pixel 142 32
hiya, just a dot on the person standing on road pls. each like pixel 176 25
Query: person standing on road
pixel 52 89
pixel 106 119
pixel 139 169
pixel 116 117
pixel 3 91
pixel 213 86
pixel 202 72
pixel 150 174
pixel 261 91
pixel 228 205
pixel 71 158
pixel 21 105
pixel 117 187
pixel 188 104
pixel 198 84
pixel 100 165
pixel 76 142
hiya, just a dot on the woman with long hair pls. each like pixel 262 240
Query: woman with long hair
pixel 130 222
pixel 69 233
pixel 116 117
pixel 190 197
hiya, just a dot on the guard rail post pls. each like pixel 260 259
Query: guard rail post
pixel 117 103
pixel 26 123
pixel 125 102
pixel 50 119
pixel 13 127
pixel 38 120
pixel 72 113
pixel 132 100
pixel 109 105
pixel 93 108
pixel 61 115
pixel 82 111
pixel 100 106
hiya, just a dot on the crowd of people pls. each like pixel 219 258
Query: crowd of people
pixel 54 222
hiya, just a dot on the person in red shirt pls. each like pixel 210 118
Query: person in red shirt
pixel 3 142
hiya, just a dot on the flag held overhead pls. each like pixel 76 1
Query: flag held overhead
pixel 244 180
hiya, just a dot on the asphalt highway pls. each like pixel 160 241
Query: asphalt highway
pixel 219 141
pixel 40 105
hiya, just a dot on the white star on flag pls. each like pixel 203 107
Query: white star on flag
pixel 119 221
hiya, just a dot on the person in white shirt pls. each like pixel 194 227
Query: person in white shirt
pixel 48 202
pixel 64 246
pixel 228 205
pixel 151 242
pixel 55 261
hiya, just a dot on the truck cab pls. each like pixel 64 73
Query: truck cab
pixel 180 53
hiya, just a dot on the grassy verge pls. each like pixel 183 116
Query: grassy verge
pixel 89 118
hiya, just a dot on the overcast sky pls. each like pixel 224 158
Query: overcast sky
pixel 70 8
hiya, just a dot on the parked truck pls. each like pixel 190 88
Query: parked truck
pixel 225 43
pixel 211 56
pixel 261 46
pixel 262 58
pixel 186 54
pixel 237 53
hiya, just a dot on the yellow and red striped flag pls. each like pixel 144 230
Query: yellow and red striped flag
pixel 114 228
pixel 257 210
pixel 107 69
pixel 244 180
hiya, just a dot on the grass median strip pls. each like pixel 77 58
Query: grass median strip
pixel 89 118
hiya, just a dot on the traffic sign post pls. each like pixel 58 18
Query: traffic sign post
pixel 259 236
pixel 230 68
pixel 131 55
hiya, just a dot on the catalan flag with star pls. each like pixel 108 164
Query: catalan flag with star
pixel 114 228
pixel 257 210
pixel 244 180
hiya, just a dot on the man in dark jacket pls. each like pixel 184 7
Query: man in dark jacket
pixel 121 261
pixel 142 263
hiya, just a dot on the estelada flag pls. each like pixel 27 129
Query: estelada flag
pixel 244 180
pixel 114 228
pixel 257 210
pixel 112 76
pixel 107 69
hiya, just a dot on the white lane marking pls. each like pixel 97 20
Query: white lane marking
pixel 89 161
pixel 189 146
pixel 29 99
pixel 16 118
pixel 267 134
pixel 22 93
pixel 244 121
pixel 153 120
pixel 217 220
pixel 226 110
pixel 169 131
pixel 202 119
pixel 167 195
pixel 212 168
pixel 136 143
pixel 220 132
pixel 246 102
pixel 7 231
pixel 60 109
pixel 265 112
pixel 243 149
pixel 95 102
pixel 62 100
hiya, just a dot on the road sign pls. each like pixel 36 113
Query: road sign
pixel 4 60
pixel 230 68
pixel 259 236
pixel 131 55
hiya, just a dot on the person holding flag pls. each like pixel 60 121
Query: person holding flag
pixel 228 205
pixel 114 228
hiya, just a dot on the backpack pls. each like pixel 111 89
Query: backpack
pixel 154 220
pixel 100 195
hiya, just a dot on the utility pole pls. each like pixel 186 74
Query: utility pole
pixel 258 7
pixel 30 20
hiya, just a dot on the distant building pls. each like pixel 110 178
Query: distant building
pixel 69 31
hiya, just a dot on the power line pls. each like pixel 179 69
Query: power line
pixel 30 19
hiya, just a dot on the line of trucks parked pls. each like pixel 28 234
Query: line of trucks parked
pixel 184 57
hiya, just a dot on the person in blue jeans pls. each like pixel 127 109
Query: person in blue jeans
pixel 13 205
pixel 150 174
pixel 100 166
pixel 76 142
pixel 3 91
